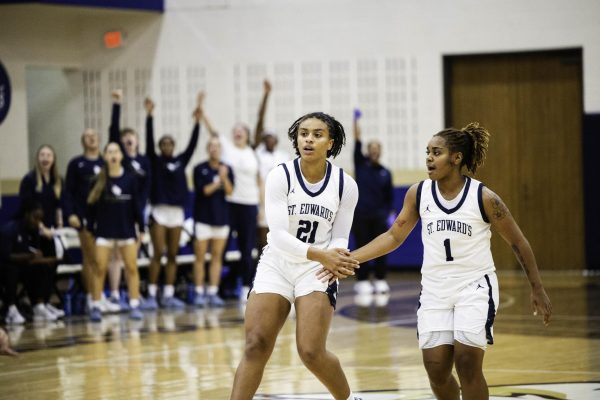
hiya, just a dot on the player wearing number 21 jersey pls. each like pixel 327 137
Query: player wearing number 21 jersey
pixel 300 215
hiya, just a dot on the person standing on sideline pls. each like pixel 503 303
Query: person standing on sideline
pixel 168 196
pixel 375 205
pixel 268 158
pixel 138 164
pixel 115 219
pixel 310 204
pixel 44 185
pixel 81 172
pixel 239 155
pixel 213 180
pixel 459 296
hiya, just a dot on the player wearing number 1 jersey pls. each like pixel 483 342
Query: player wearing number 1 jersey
pixel 309 205
pixel 459 296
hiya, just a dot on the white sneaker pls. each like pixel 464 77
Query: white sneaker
pixel 42 314
pixel 381 286
pixel 56 311
pixel 13 317
pixel 363 287
pixel 382 299
pixel 109 306
pixel 363 300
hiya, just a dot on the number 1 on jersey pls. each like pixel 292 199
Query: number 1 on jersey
pixel 307 230
pixel 448 251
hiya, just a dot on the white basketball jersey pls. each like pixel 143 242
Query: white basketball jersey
pixel 456 241
pixel 312 213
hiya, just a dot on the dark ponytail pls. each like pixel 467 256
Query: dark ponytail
pixel 472 141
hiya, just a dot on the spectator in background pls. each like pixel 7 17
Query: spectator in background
pixel 115 218
pixel 22 260
pixel 268 158
pixel 44 185
pixel 81 172
pixel 139 165
pixel 213 180
pixel 243 201
pixel 168 196
pixel 375 204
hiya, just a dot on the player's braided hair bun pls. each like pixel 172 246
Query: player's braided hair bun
pixel 472 141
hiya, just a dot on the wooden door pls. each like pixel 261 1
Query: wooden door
pixel 532 105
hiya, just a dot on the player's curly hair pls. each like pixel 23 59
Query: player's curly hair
pixel 336 132
pixel 472 141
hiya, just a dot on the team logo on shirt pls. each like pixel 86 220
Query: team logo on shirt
pixel 116 190
pixel 173 166
pixel 97 169
pixel 444 225
pixel 136 165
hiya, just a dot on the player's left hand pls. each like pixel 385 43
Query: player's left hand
pixel 540 304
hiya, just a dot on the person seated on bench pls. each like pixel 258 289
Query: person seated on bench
pixel 22 260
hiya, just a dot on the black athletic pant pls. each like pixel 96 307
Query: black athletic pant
pixel 33 277
pixel 243 220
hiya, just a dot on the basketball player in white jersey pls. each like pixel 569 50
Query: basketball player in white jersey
pixel 459 296
pixel 309 208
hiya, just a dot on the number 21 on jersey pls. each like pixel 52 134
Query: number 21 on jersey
pixel 307 230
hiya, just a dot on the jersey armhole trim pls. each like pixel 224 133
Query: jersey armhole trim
pixel 341 183
pixel 419 188
pixel 480 201
pixel 287 175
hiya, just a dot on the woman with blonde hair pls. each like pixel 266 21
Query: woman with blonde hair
pixel 44 185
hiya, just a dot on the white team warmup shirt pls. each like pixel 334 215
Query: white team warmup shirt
pixel 456 238
pixel 245 170
pixel 268 160
pixel 301 214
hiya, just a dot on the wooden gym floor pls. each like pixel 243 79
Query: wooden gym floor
pixel 193 354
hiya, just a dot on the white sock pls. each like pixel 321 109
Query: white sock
pixel 169 291
pixel 134 303
pixel 115 294
pixel 152 289
pixel 212 290
pixel 40 306
pixel 89 298
pixel 200 290
pixel 97 303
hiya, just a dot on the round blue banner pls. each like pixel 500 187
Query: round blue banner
pixel 4 93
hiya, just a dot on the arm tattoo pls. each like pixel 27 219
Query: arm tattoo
pixel 499 209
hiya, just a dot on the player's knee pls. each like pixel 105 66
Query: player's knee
pixel 310 355
pixel 467 367
pixel 257 346
pixel 437 373
pixel 468 362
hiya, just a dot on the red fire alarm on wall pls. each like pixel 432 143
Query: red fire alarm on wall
pixel 113 39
